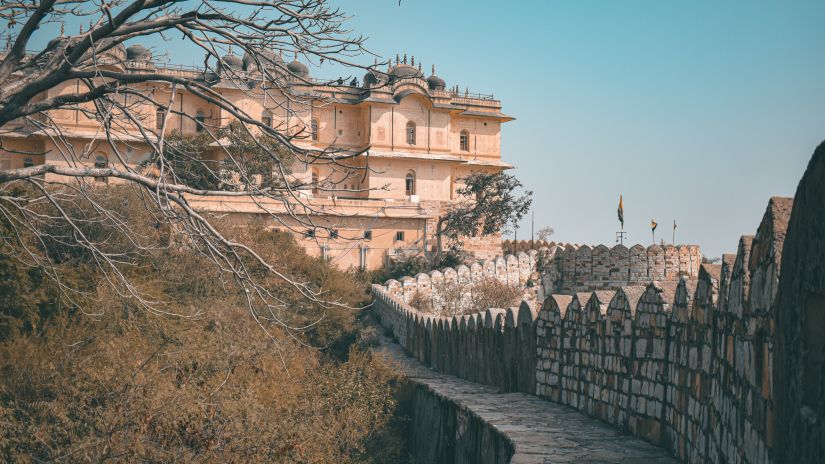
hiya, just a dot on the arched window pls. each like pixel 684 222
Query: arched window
pixel 266 118
pixel 313 129
pixel 160 115
pixel 28 162
pixel 411 133
pixel 200 119
pixel 100 163
pixel 315 181
pixel 464 141
pixel 410 183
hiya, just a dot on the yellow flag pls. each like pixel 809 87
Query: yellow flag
pixel 621 211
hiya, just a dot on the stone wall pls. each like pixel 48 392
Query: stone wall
pixel 568 268
pixel 799 373
pixel 685 364
pixel 444 431
pixel 516 270
pixel 495 347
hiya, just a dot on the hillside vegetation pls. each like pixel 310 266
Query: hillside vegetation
pixel 87 374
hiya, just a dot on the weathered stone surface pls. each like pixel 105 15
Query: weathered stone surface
pixel 799 375
pixel 456 421
pixel 702 366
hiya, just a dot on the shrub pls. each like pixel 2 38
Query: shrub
pixel 99 377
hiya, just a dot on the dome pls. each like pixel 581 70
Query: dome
pixel 299 69
pixel 118 52
pixel 405 71
pixel 372 78
pixel 138 53
pixel 274 60
pixel 232 61
pixel 436 83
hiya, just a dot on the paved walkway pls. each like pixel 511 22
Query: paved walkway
pixel 542 432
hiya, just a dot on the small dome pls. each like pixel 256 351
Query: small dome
pixel 372 78
pixel 405 71
pixel 298 68
pixel 138 53
pixel 436 83
pixel 118 52
pixel 274 60
pixel 232 61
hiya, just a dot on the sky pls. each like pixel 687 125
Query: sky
pixel 695 111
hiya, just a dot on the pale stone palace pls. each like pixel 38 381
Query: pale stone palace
pixel 423 138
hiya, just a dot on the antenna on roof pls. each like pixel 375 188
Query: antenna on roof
pixel 413 60
pixel 433 70
pixel 405 58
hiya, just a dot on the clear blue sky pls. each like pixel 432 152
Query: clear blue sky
pixel 697 111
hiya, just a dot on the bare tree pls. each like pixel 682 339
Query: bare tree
pixel 115 94
pixel 545 233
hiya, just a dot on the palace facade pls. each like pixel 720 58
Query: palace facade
pixel 422 137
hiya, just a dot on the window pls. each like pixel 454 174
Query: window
pixel 100 163
pixel 367 235
pixel 315 181
pixel 399 236
pixel 410 183
pixel 464 141
pixel 310 233
pixel 411 133
pixel 28 162
pixel 313 129
pixel 160 115
pixel 200 119
pixel 333 233
pixel 266 119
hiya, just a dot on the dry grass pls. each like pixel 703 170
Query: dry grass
pixel 107 380
pixel 456 298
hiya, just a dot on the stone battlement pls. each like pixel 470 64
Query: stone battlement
pixel 684 361
pixel 580 268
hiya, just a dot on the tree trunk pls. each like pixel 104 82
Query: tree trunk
pixel 438 238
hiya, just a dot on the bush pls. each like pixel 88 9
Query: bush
pixel 98 377
pixel 458 298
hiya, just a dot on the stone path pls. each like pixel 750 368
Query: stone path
pixel 541 431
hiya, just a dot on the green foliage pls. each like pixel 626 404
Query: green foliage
pixel 240 161
pixel 489 203
pixel 187 160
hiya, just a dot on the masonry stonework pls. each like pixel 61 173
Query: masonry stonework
pixel 685 362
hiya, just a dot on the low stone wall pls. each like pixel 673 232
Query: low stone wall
pixel 495 347
pixel 444 431
pixel 686 364
pixel 517 270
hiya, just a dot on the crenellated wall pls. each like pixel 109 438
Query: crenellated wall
pixel 570 268
pixel 434 287
pixel 686 364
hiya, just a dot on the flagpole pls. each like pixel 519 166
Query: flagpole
pixel 674 233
